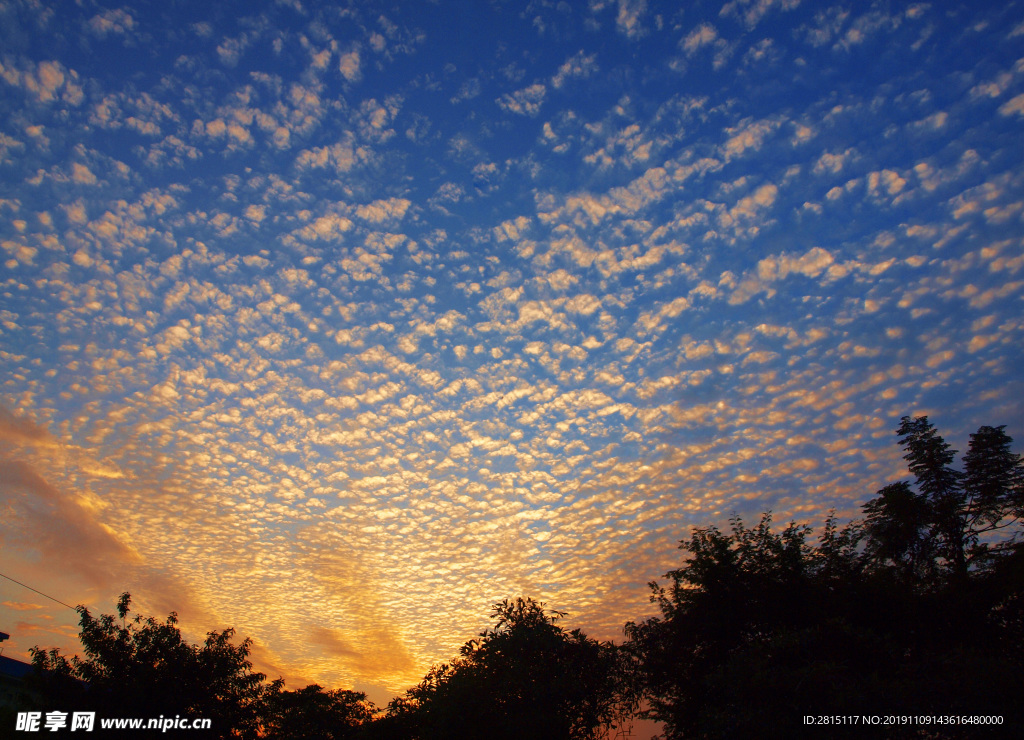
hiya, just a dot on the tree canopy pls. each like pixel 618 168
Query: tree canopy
pixel 946 525
pixel 525 677
pixel 312 713
pixel 910 612
pixel 141 667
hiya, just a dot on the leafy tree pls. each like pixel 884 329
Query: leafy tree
pixel 993 482
pixel 952 511
pixel 898 526
pixel 140 667
pixel 760 627
pixel 525 677
pixel 738 592
pixel 930 459
pixel 312 713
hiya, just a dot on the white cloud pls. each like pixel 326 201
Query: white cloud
pixel 49 82
pixel 752 11
pixel 778 267
pixel 577 66
pixel 833 163
pixel 112 21
pixel 349 66
pixel 525 102
pixel 381 211
pixel 703 35
pixel 1013 106
pixel 630 18
pixel 747 137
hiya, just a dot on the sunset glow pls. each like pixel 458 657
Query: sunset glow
pixel 336 325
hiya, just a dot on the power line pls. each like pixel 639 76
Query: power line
pixel 38 592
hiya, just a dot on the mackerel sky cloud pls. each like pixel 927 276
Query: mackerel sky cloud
pixel 338 323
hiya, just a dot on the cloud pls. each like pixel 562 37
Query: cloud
pixel 703 35
pixel 863 27
pixel 577 66
pixel 630 18
pixel 778 267
pixel 48 82
pixel 994 88
pixel 59 528
pixel 380 652
pixel 752 11
pixel 349 65
pixel 748 136
pixel 21 606
pixel 381 211
pixel 374 119
pixel 827 24
pixel 833 163
pixel 748 209
pixel 21 430
pixel 231 49
pixel 81 175
pixel 886 180
pixel 115 21
pixel 525 102
pixel 341 156
pixel 1013 106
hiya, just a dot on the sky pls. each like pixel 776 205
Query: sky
pixel 337 323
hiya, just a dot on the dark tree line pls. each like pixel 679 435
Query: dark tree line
pixel 140 667
pixel 526 677
pixel 915 610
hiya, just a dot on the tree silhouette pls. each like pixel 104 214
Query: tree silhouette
pixel 952 510
pixel 898 526
pixel 994 484
pixel 525 677
pixel 312 713
pixel 917 611
pixel 737 592
pixel 140 667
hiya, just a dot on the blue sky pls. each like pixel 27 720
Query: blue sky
pixel 338 324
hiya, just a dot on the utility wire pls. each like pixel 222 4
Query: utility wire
pixel 38 592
